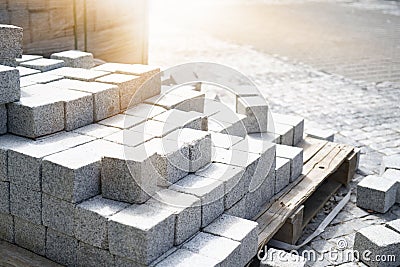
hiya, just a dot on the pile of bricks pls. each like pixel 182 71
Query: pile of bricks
pixel 380 193
pixel 100 168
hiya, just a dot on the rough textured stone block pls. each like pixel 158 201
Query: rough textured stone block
pixel 105 96
pixel 6 142
pixel 394 225
pixel 167 101
pixel 75 59
pixel 58 214
pixel 155 128
pixel 209 191
pixel 128 175
pixel 23 72
pixel 122 121
pixel 148 226
pixel 267 188
pixel 5 197
pixel 238 209
pixel 282 172
pixel 231 176
pixel 281 258
pixel 193 100
pixel 61 248
pixel 225 251
pixel 41 78
pixel 145 111
pixel 26 58
pixel 78 109
pixel 9 62
pixel 7 227
pixel 376 193
pixel 380 241
pixel 256 110
pixel 229 123
pixel 224 140
pixel 128 138
pixel 3 119
pixel 394 175
pixel 237 229
pixel 43 64
pixel 96 130
pixel 25 160
pixel 269 137
pixel 9 85
pixel 183 257
pixel 91 220
pixel 286 133
pixel 73 175
pixel 88 256
pixel 30 236
pixel 26 203
pixel 192 119
pixel 390 162
pixel 295 121
pixel 128 85
pixel 199 143
pixel 185 207
pixel 11 41
pixel 295 155
pixel 78 74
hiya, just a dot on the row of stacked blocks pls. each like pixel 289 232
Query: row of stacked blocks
pixel 89 177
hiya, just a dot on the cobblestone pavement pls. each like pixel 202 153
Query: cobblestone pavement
pixel 363 114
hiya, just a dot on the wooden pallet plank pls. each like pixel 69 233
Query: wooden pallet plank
pixel 311 146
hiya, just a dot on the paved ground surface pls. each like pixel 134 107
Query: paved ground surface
pixel 362 113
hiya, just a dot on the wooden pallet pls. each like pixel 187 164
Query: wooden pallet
pixel 327 166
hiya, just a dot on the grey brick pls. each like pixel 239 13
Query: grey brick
pixel 9 85
pixel 231 176
pixel 58 215
pixel 61 248
pixel 122 121
pixel 209 191
pixel 3 119
pixel 379 240
pixel 11 41
pixel 224 140
pixel 105 96
pixel 128 175
pixel 376 193
pixel 41 78
pixel 7 227
pixel 88 256
pixel 238 209
pixel 390 162
pixel 78 73
pixel 155 128
pixel 73 175
pixel 256 110
pixel 185 207
pixel 23 71
pixel 145 111
pixel 183 257
pixel 75 59
pixel 267 188
pixel 394 175
pixel 6 142
pixel 30 236
pixel 295 121
pixel 167 101
pixel 128 138
pixel 224 250
pixel 150 227
pixel 24 161
pixel 5 197
pixel 282 172
pixel 394 225
pixel 228 124
pixel 192 119
pixel 193 100
pixel 43 64
pixel 91 218
pixel 26 58
pixel 295 155
pixel 26 203
pixel 96 130
pixel 237 229
pixel 286 133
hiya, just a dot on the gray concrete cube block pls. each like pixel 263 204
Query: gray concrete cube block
pixel 78 74
pixel 96 130
pixel 61 248
pixel 183 257
pixel 88 256
pixel 237 229
pixel 238 209
pixel 155 128
pixel 75 59
pixel 295 121
pixel 26 203
pixel 11 41
pixel 145 111
pixel 394 225
pixel 3 119
pixel 295 155
pixel 286 133
pixel 267 190
pixel 43 64
pixel 41 78
pixel 6 142
pixel 105 96
pixel 225 251
pixel 390 162
pixel 192 119
pixel 282 173
pixel 394 175
pixel 167 101
pixel 128 175
pixel 30 236
pixel 376 193
pixel 122 121
pixel 256 110
pixel 210 192
pixel 9 85
pixel 25 160
pixel 231 176
pixel 58 215
pixel 7 227
pixel 193 100
pixel 26 58
pixel 151 228
pixel 78 109
pixel 128 138
pixel 379 241
pixel 224 140
pixel 5 197
pixel 23 71
pixel 185 207
pixel 91 220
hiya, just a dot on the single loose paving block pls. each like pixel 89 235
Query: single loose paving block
pixel 141 233
pixel 394 175
pixel 75 59
pixel 11 41
pixel 9 85
pixel 390 162
pixel 43 64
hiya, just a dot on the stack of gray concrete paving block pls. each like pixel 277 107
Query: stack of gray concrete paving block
pixel 75 59
pixel 11 44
